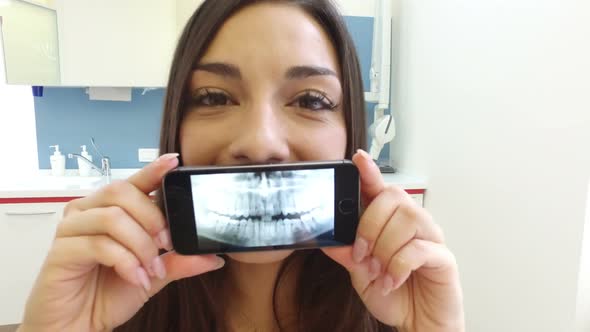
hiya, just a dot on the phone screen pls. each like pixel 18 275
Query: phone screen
pixel 263 208
pixel 219 209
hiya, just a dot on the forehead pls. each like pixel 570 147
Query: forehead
pixel 275 35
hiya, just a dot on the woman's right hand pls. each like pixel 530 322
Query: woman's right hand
pixel 103 264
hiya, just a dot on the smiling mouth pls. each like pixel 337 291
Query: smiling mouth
pixel 264 209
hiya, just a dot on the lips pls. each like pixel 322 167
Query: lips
pixel 264 208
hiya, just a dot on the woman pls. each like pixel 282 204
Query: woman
pixel 251 82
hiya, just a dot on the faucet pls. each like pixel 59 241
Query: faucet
pixel 104 170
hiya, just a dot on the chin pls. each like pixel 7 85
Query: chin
pixel 260 257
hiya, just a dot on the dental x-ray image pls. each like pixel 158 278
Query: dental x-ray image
pixel 258 209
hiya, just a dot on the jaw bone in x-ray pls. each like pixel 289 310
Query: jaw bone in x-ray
pixel 264 208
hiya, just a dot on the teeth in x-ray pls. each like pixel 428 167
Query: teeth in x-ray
pixel 260 209
pixel 244 205
pixel 253 207
pixel 268 206
pixel 307 222
pixel 303 204
pixel 290 199
pixel 219 225
pixel 244 229
pixel 289 202
pixel 237 209
pixel 257 232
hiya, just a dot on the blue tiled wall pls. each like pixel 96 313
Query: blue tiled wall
pixel 66 116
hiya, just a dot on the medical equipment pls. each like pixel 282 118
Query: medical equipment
pixel 382 130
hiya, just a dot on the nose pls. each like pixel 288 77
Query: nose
pixel 261 138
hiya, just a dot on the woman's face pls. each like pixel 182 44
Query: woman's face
pixel 267 90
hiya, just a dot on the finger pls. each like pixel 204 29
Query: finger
pixel 430 257
pixel 373 220
pixel 362 273
pixel 150 177
pixel 117 224
pixel 137 204
pixel 184 266
pixel 145 180
pixel 365 273
pixel 407 223
pixel 342 256
pixel 372 182
pixel 86 252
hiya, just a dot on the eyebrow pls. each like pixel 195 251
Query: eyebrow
pixel 301 72
pixel 293 73
pixel 220 68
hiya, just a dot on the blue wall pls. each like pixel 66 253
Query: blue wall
pixel 66 116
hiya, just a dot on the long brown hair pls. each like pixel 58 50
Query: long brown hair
pixel 325 298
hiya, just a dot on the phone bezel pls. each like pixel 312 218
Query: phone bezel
pixel 179 210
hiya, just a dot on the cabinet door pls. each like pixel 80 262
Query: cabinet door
pixel 26 233
pixel 29 43
pixel 116 43
pixel 418 198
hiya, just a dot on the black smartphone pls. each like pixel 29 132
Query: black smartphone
pixel 223 209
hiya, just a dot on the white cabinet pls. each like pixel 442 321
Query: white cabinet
pixel 107 43
pixel 89 43
pixel 418 198
pixel 29 43
pixel 184 11
pixel 26 233
pixel 116 43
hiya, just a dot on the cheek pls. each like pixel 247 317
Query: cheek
pixel 199 143
pixel 324 143
pixel 204 142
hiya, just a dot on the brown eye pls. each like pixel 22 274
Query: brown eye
pixel 314 101
pixel 211 98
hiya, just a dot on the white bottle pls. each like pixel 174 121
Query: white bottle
pixel 58 162
pixel 83 166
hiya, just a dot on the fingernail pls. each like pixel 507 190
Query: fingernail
pixel 150 271
pixel 167 157
pixel 359 250
pixel 158 267
pixel 364 154
pixel 220 262
pixel 387 285
pixel 163 240
pixel 374 268
pixel 143 279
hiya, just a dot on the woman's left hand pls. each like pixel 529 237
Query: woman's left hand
pixel 399 264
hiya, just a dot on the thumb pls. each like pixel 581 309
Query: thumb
pixel 184 266
pixel 372 183
pixel 150 177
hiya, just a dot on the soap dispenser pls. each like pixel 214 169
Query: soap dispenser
pixel 58 162
pixel 83 166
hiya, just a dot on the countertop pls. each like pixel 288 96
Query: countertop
pixel 44 185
